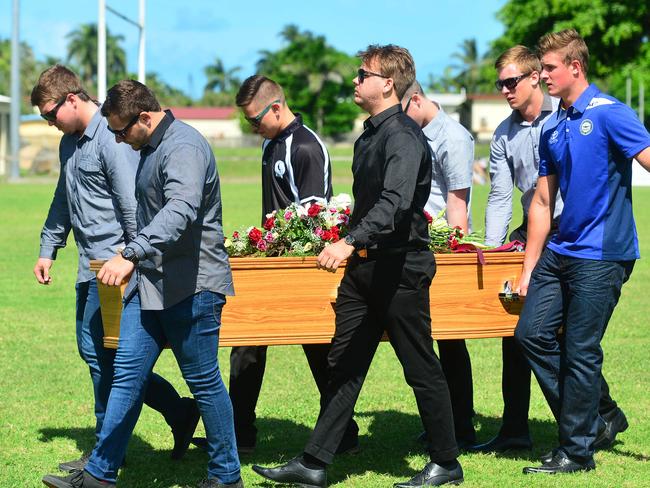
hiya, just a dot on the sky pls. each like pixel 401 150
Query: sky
pixel 182 37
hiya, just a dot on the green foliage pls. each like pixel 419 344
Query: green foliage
pixel 167 95
pixel 220 79
pixel 30 69
pixel 317 80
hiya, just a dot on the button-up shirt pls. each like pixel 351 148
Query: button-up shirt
pixel 180 242
pixel 94 197
pixel 452 158
pixel 590 146
pixel 514 161
pixel 392 179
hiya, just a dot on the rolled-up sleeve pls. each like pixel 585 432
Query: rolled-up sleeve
pixel 403 156
pixel 184 175
pixel 57 225
pixel 498 212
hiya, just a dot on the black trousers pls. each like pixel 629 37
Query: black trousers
pixel 247 366
pixel 515 379
pixel 390 294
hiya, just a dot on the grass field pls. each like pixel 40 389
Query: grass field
pixel 45 393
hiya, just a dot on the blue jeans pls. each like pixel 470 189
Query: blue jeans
pixel 581 294
pixel 192 329
pixel 160 394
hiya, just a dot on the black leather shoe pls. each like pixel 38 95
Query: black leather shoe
pixel 349 446
pixel 434 475
pixel 76 465
pixel 78 479
pixel 294 472
pixel 212 483
pixel 503 444
pixel 184 430
pixel 560 464
pixel 616 424
pixel 548 457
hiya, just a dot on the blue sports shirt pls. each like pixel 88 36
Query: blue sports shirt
pixel 590 147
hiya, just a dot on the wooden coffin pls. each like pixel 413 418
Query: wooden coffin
pixel 289 301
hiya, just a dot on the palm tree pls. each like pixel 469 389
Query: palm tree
pixel 470 65
pixel 220 79
pixel 82 52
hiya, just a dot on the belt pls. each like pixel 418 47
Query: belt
pixel 387 251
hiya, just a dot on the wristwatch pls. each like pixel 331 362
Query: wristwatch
pixel 129 254
pixel 350 240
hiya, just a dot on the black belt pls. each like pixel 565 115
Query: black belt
pixel 388 251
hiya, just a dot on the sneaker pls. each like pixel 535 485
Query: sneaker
pixel 184 431
pixel 213 483
pixel 76 465
pixel 78 479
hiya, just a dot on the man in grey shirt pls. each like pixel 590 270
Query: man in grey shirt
pixel 514 161
pixel 452 158
pixel 178 290
pixel 94 198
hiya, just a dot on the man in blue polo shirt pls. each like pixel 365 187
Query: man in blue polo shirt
pixel 586 150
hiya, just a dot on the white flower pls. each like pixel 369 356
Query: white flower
pixel 341 201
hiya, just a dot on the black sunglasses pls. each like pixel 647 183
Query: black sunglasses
pixel 257 120
pixel 51 115
pixel 362 74
pixel 408 104
pixel 510 83
pixel 121 133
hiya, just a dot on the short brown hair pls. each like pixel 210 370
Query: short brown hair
pixel 568 41
pixel 394 62
pixel 54 84
pixel 258 87
pixel 129 98
pixel 522 57
pixel 413 89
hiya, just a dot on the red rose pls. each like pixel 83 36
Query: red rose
pixel 235 235
pixel 347 210
pixel 327 235
pixel 313 210
pixel 428 216
pixel 335 232
pixel 269 223
pixel 255 235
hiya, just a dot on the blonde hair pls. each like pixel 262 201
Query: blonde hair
pixel 570 43
pixel 522 57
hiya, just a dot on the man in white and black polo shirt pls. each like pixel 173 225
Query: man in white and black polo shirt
pixel 295 169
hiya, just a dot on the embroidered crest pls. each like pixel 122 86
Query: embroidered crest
pixel 586 127
pixel 553 138
pixel 279 169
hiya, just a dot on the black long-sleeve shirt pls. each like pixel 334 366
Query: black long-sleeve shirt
pixel 392 181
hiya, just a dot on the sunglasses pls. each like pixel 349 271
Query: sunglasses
pixel 362 74
pixel 510 83
pixel 50 116
pixel 121 133
pixel 408 104
pixel 257 120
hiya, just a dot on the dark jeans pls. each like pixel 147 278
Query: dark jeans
pixel 385 294
pixel 515 377
pixel 191 327
pixel 457 366
pixel 160 394
pixel 579 294
pixel 247 366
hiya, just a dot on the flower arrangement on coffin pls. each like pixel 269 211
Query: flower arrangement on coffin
pixel 305 230
pixel 298 230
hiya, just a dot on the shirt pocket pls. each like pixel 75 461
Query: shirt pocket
pixel 88 164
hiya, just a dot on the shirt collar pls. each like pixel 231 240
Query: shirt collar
pixel 93 125
pixel 295 124
pixel 376 120
pixel 433 128
pixel 580 105
pixel 547 108
pixel 159 131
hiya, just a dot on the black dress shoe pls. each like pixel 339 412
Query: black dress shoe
pixel 503 444
pixel 75 465
pixel 548 456
pixel 616 424
pixel 184 430
pixel 349 445
pixel 294 472
pixel 212 483
pixel 560 463
pixel 78 479
pixel 434 475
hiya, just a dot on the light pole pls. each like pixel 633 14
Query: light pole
pixel 14 117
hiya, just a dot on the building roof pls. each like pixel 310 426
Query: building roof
pixel 203 113
pixel 5 99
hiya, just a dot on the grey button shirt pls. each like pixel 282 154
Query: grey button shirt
pixel 94 197
pixel 514 160
pixel 452 157
pixel 180 240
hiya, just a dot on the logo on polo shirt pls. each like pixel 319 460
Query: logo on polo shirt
pixel 553 138
pixel 280 169
pixel 586 127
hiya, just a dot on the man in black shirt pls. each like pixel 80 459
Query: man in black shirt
pixel 385 287
pixel 295 169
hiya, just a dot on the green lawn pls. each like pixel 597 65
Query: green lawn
pixel 45 392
